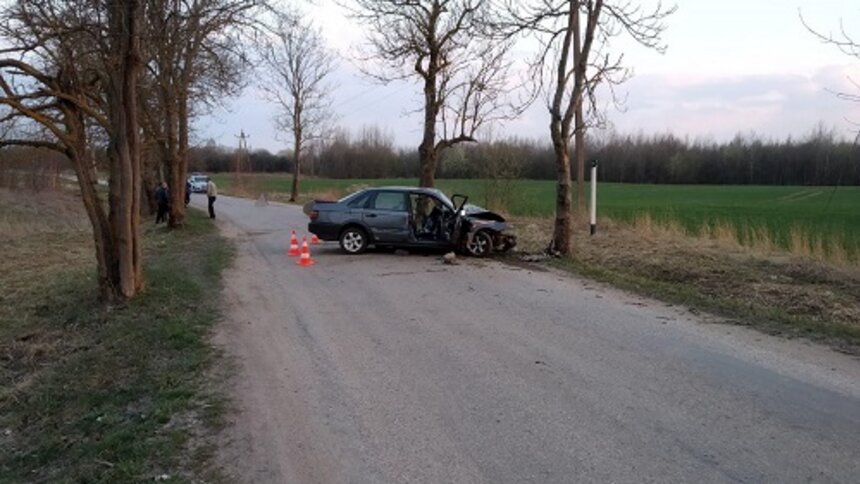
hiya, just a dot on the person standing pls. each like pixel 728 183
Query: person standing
pixel 187 192
pixel 162 199
pixel 212 193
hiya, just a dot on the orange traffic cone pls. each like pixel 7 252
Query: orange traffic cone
pixel 305 259
pixel 294 245
pixel 315 240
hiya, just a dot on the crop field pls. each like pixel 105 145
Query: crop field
pixel 822 221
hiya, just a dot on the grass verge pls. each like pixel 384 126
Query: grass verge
pixel 116 394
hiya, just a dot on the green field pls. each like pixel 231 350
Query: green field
pixel 829 216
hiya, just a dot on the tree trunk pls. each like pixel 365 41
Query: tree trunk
pixel 579 150
pixel 149 181
pixel 580 67
pixel 559 128
pixel 297 166
pixel 87 176
pixel 561 237
pixel 427 154
pixel 179 165
pixel 124 149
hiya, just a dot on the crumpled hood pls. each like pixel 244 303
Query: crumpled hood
pixel 476 212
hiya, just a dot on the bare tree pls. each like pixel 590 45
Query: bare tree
pixel 297 66
pixel 195 53
pixel 68 67
pixel 573 60
pixel 448 46
pixel 845 42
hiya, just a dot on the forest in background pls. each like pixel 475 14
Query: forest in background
pixel 820 158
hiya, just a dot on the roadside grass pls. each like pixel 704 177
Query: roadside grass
pixel 820 222
pixel 105 394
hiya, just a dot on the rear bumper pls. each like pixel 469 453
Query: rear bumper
pixel 324 231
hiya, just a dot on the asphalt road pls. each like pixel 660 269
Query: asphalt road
pixel 392 368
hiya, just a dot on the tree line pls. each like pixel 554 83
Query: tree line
pixel 821 158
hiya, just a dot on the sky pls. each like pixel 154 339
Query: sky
pixel 731 66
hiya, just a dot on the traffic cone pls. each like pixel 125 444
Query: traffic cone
pixel 294 245
pixel 315 240
pixel 305 259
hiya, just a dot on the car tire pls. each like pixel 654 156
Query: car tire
pixel 480 245
pixel 353 240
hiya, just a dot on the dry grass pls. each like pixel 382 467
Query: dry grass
pixel 103 394
pixel 760 285
pixel 757 239
pixel 27 213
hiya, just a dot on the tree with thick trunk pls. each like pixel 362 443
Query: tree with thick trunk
pixel 71 67
pixel 574 36
pixel 297 67
pixel 449 48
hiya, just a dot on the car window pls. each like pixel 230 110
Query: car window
pixel 390 201
pixel 360 201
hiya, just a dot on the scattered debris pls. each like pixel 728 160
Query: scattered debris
pixel 534 257
pixel 450 258
pixel 161 477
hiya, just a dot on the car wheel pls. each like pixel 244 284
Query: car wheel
pixel 353 240
pixel 481 244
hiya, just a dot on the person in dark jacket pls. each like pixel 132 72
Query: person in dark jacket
pixel 187 192
pixel 162 199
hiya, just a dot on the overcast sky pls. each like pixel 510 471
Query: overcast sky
pixel 732 66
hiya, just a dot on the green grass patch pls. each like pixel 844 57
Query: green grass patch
pixel 819 221
pixel 96 394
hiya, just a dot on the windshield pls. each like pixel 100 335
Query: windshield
pixel 444 198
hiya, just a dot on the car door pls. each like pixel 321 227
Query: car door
pixel 387 216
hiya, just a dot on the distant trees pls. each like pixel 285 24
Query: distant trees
pixel 447 46
pixel 295 78
pixel 820 158
pixel 370 153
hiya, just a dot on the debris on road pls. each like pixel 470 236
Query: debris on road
pixel 449 258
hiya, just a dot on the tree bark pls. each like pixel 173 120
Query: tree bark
pixel 124 148
pixel 561 237
pixel 579 151
pixel 84 166
pixel 297 165
pixel 427 153
pixel 178 160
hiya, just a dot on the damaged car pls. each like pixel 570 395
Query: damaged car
pixel 409 217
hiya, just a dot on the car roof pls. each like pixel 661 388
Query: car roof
pixel 428 191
